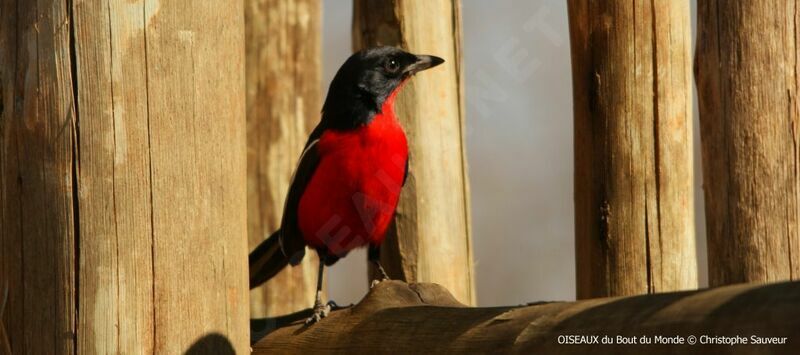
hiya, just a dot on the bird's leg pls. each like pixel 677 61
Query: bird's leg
pixel 384 275
pixel 374 256
pixel 321 309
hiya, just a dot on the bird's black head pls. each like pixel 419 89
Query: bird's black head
pixel 365 80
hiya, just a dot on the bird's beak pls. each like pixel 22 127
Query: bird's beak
pixel 423 62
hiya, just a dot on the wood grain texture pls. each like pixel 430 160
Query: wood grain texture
pixel 37 177
pixel 123 176
pixel 634 220
pixel 747 81
pixel 116 239
pixel 424 318
pixel 198 166
pixel 5 344
pixel 430 239
pixel 283 56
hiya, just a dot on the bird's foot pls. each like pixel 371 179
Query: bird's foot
pixel 384 275
pixel 321 310
pixel 375 282
pixel 319 313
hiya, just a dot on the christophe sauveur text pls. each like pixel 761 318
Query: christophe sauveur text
pixel 670 340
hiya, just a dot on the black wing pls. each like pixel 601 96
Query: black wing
pixel 286 245
pixel 291 238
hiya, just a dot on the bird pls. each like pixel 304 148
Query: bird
pixel 345 189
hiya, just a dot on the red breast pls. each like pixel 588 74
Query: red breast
pixel 352 196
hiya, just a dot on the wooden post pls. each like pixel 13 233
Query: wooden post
pixel 123 176
pixel 430 239
pixel 424 318
pixel 283 104
pixel 634 221
pixel 747 83
pixel 37 177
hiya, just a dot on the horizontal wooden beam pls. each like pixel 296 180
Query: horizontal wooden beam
pixel 412 318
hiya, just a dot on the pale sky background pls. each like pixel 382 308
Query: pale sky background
pixel 519 147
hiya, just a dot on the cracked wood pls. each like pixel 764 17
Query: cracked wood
pixel 122 175
pixel 283 50
pixel 398 318
pixel 747 84
pixel 634 220
pixel 37 181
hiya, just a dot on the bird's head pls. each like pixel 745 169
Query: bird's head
pixel 366 80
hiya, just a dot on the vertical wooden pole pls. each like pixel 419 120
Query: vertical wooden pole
pixel 747 82
pixel 283 49
pixel 114 178
pixel 123 176
pixel 38 165
pixel 634 221
pixel 430 240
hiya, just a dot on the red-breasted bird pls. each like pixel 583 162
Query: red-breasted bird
pixel 345 190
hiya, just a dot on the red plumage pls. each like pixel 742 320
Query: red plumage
pixel 346 186
pixel 350 200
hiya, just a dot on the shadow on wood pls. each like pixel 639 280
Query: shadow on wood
pixel 410 318
pixel 213 343
pixel 5 344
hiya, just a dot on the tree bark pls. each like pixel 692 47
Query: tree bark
pixel 122 176
pixel 747 84
pixel 424 318
pixel 430 239
pixel 283 103
pixel 634 221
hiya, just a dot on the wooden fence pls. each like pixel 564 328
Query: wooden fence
pixel 144 143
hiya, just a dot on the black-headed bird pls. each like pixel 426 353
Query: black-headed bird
pixel 345 190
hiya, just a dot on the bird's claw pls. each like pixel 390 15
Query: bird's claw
pixel 384 276
pixel 316 317
pixel 320 311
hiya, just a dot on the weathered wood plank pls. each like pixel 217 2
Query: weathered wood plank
pixel 634 209
pixel 37 186
pixel 116 266
pixel 747 83
pixel 424 318
pixel 196 117
pixel 430 239
pixel 122 176
pixel 283 54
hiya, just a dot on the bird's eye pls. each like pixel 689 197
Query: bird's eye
pixel 392 66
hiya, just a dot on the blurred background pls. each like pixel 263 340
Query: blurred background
pixel 519 149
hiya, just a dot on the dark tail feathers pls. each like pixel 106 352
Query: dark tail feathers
pixel 267 260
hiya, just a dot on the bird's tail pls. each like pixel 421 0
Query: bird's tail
pixel 267 260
